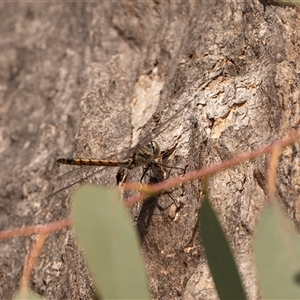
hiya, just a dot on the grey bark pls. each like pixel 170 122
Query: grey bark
pixel 85 79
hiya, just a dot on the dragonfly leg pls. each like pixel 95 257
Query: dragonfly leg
pixel 144 172
pixel 121 176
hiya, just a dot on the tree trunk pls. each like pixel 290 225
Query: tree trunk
pixel 85 79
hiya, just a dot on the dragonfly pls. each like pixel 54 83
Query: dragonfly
pixel 144 153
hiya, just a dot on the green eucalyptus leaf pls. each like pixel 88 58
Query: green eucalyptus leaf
pixel 219 256
pixel 26 295
pixel 277 255
pixel 110 243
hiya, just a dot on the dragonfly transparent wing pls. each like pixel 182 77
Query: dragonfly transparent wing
pixel 82 179
pixel 158 130
pixel 129 151
pixel 75 172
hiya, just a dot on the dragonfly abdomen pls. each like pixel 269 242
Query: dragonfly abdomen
pixel 143 156
pixel 88 161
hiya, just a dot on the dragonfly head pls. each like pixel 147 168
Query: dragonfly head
pixel 144 155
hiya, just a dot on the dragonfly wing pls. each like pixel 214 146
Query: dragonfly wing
pixel 158 130
pixel 127 153
pixel 73 173
pixel 82 179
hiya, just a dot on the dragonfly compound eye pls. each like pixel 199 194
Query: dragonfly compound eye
pixel 155 148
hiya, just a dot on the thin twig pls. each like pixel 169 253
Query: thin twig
pixel 167 184
pixel 32 257
pixel 48 228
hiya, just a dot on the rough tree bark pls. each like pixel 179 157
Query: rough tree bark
pixel 86 78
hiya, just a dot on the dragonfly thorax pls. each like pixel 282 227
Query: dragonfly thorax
pixel 144 155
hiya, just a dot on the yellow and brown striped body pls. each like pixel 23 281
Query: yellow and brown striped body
pixel 93 162
pixel 142 156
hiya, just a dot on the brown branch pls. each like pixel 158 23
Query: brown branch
pixel 39 229
pixel 272 171
pixel 156 188
pixel 32 257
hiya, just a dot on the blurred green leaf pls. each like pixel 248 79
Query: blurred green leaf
pixel 296 2
pixel 110 244
pixel 277 255
pixel 26 295
pixel 219 256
